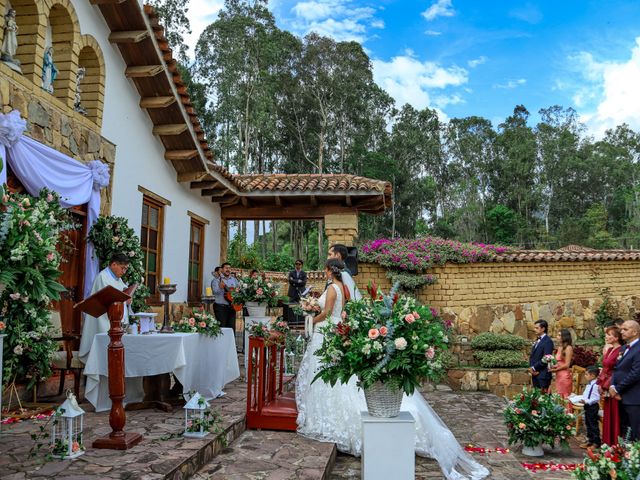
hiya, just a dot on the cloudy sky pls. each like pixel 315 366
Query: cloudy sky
pixel 483 57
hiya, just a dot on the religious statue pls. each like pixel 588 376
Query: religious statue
pixel 49 70
pixel 10 41
pixel 77 104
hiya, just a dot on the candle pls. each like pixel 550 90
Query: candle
pixel 209 292
pixel 167 280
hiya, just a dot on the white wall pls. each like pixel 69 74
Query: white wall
pixel 140 161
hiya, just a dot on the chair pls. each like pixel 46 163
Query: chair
pixel 577 373
pixel 66 359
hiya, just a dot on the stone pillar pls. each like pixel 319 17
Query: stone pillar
pixel 341 228
pixel 224 240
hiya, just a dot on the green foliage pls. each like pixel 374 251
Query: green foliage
pixel 410 282
pixel 31 236
pixel 489 341
pixel 111 235
pixel 242 256
pixel 502 223
pixel 278 262
pixel 500 358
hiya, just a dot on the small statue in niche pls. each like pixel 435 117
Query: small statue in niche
pixel 49 70
pixel 77 104
pixel 10 41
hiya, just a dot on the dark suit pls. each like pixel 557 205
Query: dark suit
pixel 543 347
pixel 626 380
pixel 297 284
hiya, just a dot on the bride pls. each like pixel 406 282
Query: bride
pixel 332 414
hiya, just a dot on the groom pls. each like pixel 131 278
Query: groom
pixel 540 375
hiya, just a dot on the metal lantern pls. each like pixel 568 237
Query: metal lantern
pixel 66 435
pixel 196 417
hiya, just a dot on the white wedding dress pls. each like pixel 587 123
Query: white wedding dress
pixel 332 414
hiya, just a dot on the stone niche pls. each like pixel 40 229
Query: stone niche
pixel 54 124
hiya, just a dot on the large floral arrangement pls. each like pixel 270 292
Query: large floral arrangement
pixel 111 235
pixel 385 338
pixel 31 233
pixel 198 322
pixel 620 462
pixel 256 289
pixel 533 418
pixel 276 333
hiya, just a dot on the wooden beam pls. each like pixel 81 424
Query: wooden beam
pixel 133 36
pixel 170 129
pixel 313 200
pixel 106 2
pixel 191 176
pixel 278 201
pixel 157 102
pixel 203 184
pixel 180 154
pixel 214 192
pixel 288 212
pixel 143 71
pixel 227 199
pixel 347 200
pixel 245 201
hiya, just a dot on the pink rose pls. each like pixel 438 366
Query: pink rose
pixel 383 331
pixel 282 324
pixel 374 333
pixel 534 412
pixel 49 198
pixel 430 353
pixel 416 315
pixel 259 291
pixel 192 322
pixel 51 256
pixel 409 318
pixel 202 324
pixel 343 315
pixel 181 322
pixel 400 343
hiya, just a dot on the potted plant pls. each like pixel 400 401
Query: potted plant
pixel 256 293
pixel 534 418
pixel 391 343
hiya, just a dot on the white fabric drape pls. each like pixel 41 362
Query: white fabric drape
pixel 38 166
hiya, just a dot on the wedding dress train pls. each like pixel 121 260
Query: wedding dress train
pixel 332 414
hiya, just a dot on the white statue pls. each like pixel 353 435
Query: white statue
pixel 77 104
pixel 10 41
pixel 49 70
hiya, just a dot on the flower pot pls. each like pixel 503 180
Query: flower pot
pixel 255 309
pixel 382 400
pixel 533 451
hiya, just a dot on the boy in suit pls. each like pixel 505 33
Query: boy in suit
pixel 625 385
pixel 591 398
pixel 540 375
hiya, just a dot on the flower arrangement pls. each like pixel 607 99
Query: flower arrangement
pixel 210 418
pixel 308 306
pixel 276 333
pixel 385 338
pixel 256 289
pixel 621 462
pixel 583 357
pixel 549 360
pixel 31 235
pixel 199 322
pixel 533 418
pixel 111 235
pixel 61 447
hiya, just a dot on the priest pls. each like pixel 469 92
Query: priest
pixel 112 275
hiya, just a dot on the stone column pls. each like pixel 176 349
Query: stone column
pixel 341 228
pixel 224 240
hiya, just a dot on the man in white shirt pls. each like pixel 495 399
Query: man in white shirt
pixel 340 252
pixel 591 398
pixel 112 275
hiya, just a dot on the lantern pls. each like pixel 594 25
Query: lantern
pixel 66 435
pixel 196 417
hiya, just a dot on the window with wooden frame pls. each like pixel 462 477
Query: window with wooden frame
pixel 196 256
pixel 151 233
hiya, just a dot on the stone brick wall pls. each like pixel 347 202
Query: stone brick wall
pixel 499 381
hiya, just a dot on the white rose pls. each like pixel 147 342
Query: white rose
pixel 400 343
pixel 18 350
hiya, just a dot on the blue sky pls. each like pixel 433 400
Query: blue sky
pixel 483 57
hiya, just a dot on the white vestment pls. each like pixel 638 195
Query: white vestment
pixel 93 325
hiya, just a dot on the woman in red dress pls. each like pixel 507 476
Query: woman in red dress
pixel 610 352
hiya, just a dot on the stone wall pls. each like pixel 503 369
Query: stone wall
pixel 499 381
pixel 510 297
pixel 53 123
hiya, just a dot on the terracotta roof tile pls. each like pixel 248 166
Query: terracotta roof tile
pixel 566 255
pixel 310 183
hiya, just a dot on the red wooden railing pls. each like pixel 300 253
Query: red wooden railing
pixel 269 406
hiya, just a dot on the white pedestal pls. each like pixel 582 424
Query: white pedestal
pixel 248 321
pixel 1 369
pixel 388 447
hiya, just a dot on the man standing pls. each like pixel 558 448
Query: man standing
pixel 222 308
pixel 340 252
pixel 540 375
pixel 625 385
pixel 112 275
pixel 297 281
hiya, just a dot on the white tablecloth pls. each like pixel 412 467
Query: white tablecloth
pixel 200 363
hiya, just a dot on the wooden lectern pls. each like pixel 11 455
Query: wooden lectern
pixel 110 300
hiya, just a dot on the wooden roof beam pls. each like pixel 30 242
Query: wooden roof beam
pixel 204 184
pixel 245 202
pixel 133 36
pixel 170 129
pixel 180 154
pixel 347 200
pixel 313 200
pixel 278 200
pixel 191 176
pixel 157 102
pixel 143 71
pixel 215 192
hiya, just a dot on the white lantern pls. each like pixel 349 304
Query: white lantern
pixel 66 435
pixel 196 417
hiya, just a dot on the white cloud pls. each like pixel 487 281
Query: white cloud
pixel 527 13
pixel 409 80
pixel 313 11
pixel 477 61
pixel 442 8
pixel 609 92
pixel 377 24
pixel 512 83
pixel 201 13
pixel 432 33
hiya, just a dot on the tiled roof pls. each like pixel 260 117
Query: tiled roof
pixel 566 255
pixel 310 183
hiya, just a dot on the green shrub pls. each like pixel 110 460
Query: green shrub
pixel 501 359
pixel 498 341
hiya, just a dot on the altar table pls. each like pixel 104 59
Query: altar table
pixel 200 363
